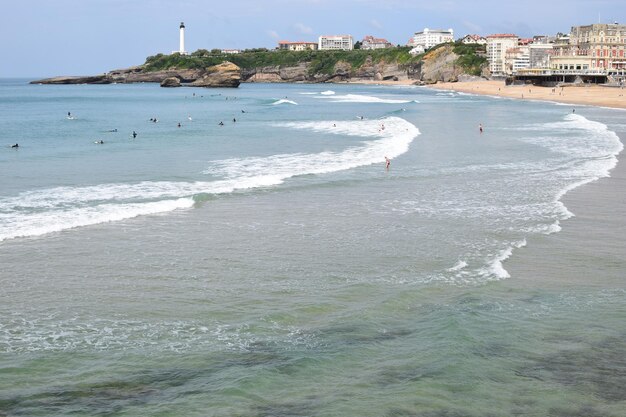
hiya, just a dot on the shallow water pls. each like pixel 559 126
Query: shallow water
pixel 272 266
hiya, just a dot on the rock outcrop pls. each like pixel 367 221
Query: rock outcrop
pixel 170 82
pixel 226 74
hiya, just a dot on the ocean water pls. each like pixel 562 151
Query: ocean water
pixel 272 266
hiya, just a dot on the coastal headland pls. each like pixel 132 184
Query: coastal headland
pixel 445 63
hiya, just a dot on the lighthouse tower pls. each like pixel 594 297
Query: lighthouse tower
pixel 182 39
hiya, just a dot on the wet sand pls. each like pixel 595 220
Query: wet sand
pixel 596 235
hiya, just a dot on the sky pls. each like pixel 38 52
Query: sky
pixel 42 38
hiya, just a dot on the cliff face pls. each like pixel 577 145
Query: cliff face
pixel 342 71
pixel 223 75
pixel 438 65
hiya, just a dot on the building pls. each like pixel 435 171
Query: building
pixel 370 42
pixel 231 51
pixel 431 37
pixel 539 54
pixel 416 50
pixel 517 59
pixel 497 45
pixel 600 46
pixel 336 42
pixel 297 46
pixel 473 40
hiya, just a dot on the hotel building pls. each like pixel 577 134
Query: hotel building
pixel 597 47
pixel 336 42
pixel 431 37
pixel 497 47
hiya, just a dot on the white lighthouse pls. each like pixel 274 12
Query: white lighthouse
pixel 182 39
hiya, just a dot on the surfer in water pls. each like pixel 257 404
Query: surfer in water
pixel 387 163
pixel 221 123
pixel 15 146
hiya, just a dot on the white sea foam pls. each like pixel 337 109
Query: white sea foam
pixel 358 98
pixel 392 141
pixel 458 266
pixel 494 268
pixel 38 212
pixel 327 93
pixel 284 101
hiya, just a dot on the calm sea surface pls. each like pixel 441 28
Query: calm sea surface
pixel 272 266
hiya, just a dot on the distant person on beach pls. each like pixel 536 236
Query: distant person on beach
pixel 387 163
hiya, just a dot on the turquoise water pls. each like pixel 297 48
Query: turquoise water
pixel 273 266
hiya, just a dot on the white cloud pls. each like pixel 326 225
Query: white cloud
pixel 303 29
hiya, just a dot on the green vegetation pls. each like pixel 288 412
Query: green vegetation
pixel 471 58
pixel 320 62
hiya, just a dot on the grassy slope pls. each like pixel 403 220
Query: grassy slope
pixel 320 62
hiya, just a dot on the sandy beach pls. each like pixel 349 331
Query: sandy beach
pixel 593 95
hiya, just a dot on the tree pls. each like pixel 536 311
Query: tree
pixel 358 44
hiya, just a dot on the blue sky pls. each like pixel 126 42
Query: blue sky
pixel 85 37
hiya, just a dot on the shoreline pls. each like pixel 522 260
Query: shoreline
pixel 594 232
pixel 587 95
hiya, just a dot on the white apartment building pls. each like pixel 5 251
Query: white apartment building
pixel 497 45
pixel 431 37
pixel 336 42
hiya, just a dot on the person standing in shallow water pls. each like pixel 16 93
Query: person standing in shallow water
pixel 480 128
pixel 387 163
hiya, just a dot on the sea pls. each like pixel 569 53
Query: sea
pixel 248 253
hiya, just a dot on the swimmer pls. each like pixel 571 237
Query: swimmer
pixel 178 124
pixel 221 123
pixel 243 111
pixel 234 120
pixel 134 134
pixel 112 130
pixel 99 142
pixel 480 128
pixel 387 163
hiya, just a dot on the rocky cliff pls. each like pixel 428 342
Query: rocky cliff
pixel 226 74
pixel 342 71
pixel 439 65
pixel 446 63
